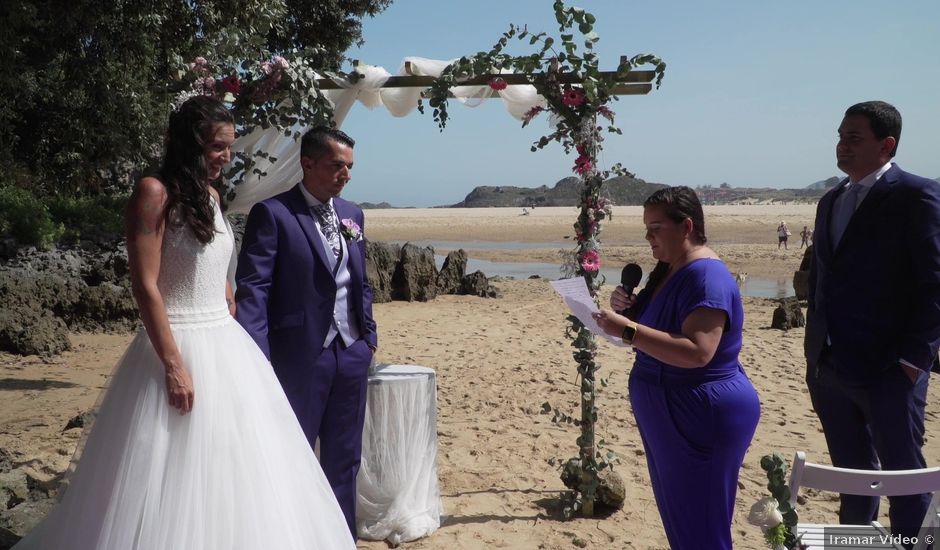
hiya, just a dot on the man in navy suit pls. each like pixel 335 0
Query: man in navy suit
pixel 873 324
pixel 304 297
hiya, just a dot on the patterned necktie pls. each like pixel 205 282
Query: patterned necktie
pixel 845 206
pixel 328 225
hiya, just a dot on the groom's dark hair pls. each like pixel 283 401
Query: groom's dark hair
pixel 316 141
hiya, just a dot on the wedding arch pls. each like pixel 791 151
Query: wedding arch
pixel 277 99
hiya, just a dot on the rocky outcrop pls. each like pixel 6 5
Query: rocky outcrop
pixel 788 315
pixel 801 277
pixel 47 293
pixel 415 277
pixel 381 261
pixel 450 279
pixel 24 501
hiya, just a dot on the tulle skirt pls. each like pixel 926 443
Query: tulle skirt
pixel 235 473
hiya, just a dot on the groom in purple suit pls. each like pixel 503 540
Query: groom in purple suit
pixel 304 297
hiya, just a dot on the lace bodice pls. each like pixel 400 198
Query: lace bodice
pixel 192 274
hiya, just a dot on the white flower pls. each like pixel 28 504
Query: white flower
pixel 765 513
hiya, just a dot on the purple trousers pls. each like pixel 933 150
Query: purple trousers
pixel 695 434
pixel 330 404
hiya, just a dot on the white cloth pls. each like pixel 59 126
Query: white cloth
pixel 285 171
pixel 236 473
pixel 398 494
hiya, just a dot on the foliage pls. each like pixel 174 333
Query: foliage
pixel 576 110
pixel 782 534
pixel 88 216
pixel 86 105
pixel 26 218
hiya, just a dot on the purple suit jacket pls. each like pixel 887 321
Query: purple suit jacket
pixel 285 288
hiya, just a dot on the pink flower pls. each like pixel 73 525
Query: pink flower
pixel 208 83
pixel 573 97
pixel 267 67
pixel 280 62
pixel 591 261
pixel 200 61
pixel 498 84
pixel 231 84
pixel 583 165
pixel 351 229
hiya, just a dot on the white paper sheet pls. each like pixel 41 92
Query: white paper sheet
pixel 576 295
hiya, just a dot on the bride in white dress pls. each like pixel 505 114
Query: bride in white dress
pixel 195 446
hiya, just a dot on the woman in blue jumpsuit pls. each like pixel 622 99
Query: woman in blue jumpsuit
pixel 695 408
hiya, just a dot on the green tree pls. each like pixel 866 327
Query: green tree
pixel 83 86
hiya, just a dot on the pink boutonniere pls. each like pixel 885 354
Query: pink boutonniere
pixel 351 229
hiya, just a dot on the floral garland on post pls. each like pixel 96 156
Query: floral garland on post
pixel 576 110
pixel 272 92
pixel 774 514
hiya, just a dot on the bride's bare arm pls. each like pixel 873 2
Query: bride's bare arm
pixel 144 225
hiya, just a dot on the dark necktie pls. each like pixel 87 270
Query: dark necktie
pixel 328 225
pixel 845 206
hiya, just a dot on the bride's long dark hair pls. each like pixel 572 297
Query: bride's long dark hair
pixel 184 170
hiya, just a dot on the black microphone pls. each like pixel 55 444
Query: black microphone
pixel 630 277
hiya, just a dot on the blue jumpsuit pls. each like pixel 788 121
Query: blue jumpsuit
pixel 696 424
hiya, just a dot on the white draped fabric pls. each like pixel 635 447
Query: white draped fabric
pixel 285 171
pixel 398 495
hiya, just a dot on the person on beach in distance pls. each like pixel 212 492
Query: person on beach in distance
pixel 194 444
pixel 782 233
pixel 303 295
pixel 873 318
pixel 805 236
pixel 695 408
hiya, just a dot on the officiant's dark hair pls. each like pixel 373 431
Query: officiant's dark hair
pixel 884 119
pixel 315 142
pixel 678 203
pixel 184 171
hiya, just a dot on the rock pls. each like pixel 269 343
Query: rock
pixel 106 306
pixel 8 539
pixel 381 260
pixel 6 461
pixel 415 276
pixel 807 262
pixel 80 421
pixel 476 284
pixel 13 489
pixel 612 492
pixel 24 517
pixel 788 315
pixel 450 279
pixel 801 284
pixel 27 332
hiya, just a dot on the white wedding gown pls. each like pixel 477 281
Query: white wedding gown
pixel 236 473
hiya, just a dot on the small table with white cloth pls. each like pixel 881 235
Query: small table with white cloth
pixel 398 495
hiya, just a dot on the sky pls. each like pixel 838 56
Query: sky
pixel 753 94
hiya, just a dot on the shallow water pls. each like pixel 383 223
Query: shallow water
pixel 755 287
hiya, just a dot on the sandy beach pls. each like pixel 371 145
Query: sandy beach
pixel 498 361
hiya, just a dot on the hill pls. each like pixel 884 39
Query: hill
pixel 622 191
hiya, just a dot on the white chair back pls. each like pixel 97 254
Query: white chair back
pixel 869 483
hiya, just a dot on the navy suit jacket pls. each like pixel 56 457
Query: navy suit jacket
pixel 286 290
pixel 877 294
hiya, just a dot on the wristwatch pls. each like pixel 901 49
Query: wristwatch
pixel 629 332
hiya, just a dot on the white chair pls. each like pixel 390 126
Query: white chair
pixel 868 483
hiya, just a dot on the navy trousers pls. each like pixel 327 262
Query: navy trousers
pixel 870 425
pixel 695 438
pixel 330 404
